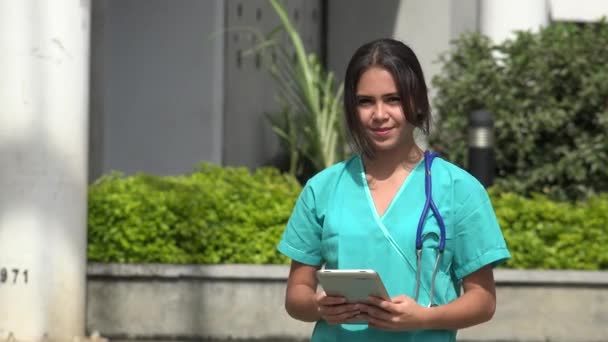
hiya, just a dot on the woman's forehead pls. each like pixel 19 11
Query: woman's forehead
pixel 376 80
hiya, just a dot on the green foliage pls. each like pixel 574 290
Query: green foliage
pixel 544 234
pixel 229 215
pixel 310 124
pixel 214 215
pixel 549 95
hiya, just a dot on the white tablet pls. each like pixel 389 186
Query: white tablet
pixel 354 285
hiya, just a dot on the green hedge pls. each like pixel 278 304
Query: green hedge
pixel 215 215
pixel 544 234
pixel 548 92
pixel 229 215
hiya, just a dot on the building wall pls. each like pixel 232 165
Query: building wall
pixel 173 85
pixel 165 95
pixel 250 92
pixel 348 29
pixel 426 26
pixel 157 92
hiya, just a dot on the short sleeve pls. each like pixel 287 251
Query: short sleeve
pixel 301 240
pixel 479 240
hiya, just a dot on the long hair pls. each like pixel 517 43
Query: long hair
pixel 401 62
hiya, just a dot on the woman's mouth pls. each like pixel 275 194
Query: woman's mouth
pixel 383 131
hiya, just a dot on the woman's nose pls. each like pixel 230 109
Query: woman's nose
pixel 380 111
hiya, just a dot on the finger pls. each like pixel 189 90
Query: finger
pixel 355 319
pixel 338 309
pixel 400 299
pixel 376 312
pixel 381 303
pixel 374 300
pixel 377 323
pixel 331 300
pixel 371 307
pixel 342 318
pixel 322 296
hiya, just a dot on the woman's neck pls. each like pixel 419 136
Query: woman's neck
pixel 390 162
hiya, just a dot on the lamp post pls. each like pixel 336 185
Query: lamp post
pixel 481 146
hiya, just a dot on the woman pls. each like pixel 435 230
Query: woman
pixel 363 213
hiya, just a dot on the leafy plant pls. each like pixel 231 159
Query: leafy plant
pixel 544 234
pixel 548 92
pixel 310 123
pixel 229 215
pixel 214 215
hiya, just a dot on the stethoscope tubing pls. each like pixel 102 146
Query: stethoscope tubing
pixel 429 204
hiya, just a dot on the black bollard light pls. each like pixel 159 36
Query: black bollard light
pixel 481 146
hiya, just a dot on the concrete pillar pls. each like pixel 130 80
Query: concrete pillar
pixel 44 86
pixel 499 18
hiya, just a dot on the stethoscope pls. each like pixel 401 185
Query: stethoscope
pixel 428 204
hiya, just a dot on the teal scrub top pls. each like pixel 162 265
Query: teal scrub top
pixel 335 223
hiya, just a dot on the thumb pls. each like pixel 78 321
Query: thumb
pixel 400 299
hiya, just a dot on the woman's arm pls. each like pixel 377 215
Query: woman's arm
pixel 475 306
pixel 301 290
pixel 302 301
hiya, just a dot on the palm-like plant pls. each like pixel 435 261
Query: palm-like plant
pixel 310 122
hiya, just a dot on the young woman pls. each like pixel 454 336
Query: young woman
pixel 365 213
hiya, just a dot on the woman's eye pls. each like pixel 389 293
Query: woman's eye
pixel 394 99
pixel 364 102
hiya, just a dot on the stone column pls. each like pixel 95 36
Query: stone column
pixel 44 89
pixel 499 18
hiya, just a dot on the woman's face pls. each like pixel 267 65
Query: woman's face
pixel 381 112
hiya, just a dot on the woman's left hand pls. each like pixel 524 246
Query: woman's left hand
pixel 401 313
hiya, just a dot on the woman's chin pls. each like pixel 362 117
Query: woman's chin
pixel 385 147
pixel 388 145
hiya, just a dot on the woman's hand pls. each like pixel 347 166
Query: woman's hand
pixel 335 310
pixel 401 313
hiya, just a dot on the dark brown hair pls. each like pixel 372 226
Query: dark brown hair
pixel 398 59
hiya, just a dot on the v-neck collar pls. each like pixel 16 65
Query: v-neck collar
pixel 395 198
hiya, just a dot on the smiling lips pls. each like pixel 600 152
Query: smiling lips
pixel 381 131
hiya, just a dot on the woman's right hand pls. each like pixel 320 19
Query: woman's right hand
pixel 334 309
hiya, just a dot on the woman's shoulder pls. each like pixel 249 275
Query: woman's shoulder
pixel 334 173
pixel 460 180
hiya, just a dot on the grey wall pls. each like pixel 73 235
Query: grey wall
pixel 250 91
pixel 156 302
pixel 165 95
pixel 352 23
pixel 158 85
pixel 426 26
pixel 98 12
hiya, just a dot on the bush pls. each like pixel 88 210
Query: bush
pixel 214 215
pixel 549 95
pixel 229 215
pixel 543 234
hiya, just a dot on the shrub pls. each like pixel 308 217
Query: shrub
pixel 549 95
pixel 543 234
pixel 214 215
pixel 229 215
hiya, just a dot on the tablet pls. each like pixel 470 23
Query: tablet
pixel 354 285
